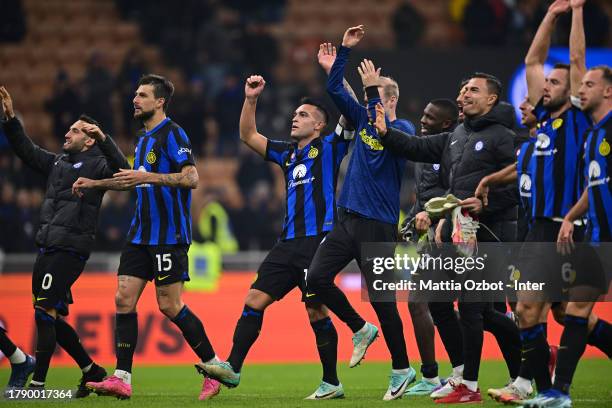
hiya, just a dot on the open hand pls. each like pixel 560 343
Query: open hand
pixel 370 75
pixel 380 123
pixel 353 35
pixel 326 56
pixel 7 103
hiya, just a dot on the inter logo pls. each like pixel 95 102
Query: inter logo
pixel 151 157
pixel 604 148
pixel 313 153
pixel 478 146
pixel 557 123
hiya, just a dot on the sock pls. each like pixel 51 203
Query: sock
pixel 327 346
pixel 69 341
pixel 536 354
pixel 523 384
pixel 45 344
pixel 429 371
pixel 525 372
pixel 125 376
pixel 573 343
pixel 424 334
pixel 393 332
pixel 447 323
pixel 601 337
pixel 247 331
pixel 8 348
pixel 471 385
pixel 400 370
pixel 508 337
pixel 18 357
pixel 458 371
pixel 194 333
pixel 126 337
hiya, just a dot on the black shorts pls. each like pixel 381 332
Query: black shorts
pixel 540 262
pixel 362 239
pixel 165 263
pixel 284 267
pixel 593 270
pixel 55 271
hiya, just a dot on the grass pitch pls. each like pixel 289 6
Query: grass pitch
pixel 286 385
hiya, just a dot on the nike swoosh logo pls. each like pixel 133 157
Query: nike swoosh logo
pixel 394 393
pixel 161 278
pixel 324 395
pixel 310 295
pixel 39 299
pixel 453 142
pixel 528 350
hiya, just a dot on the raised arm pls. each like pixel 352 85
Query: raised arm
pixel 577 47
pixel 248 126
pixel 347 105
pixel 538 51
pixel 114 157
pixel 425 149
pixel 31 154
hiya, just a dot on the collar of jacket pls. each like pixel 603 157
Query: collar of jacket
pixel 93 151
pixel 502 113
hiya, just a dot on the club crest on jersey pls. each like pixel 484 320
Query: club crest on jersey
pixel 604 148
pixel 79 164
pixel 314 152
pixel 478 146
pixel 436 167
pixel 151 157
pixel 557 123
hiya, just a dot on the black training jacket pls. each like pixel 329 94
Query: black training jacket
pixel 476 148
pixel 66 221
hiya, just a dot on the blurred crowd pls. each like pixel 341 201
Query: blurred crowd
pixel 213 44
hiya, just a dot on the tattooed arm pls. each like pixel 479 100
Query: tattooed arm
pixel 128 179
pixel 187 178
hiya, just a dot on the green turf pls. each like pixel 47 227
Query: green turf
pixel 272 386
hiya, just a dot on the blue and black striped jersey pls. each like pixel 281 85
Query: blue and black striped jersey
pixel 162 214
pixel 524 176
pixel 553 167
pixel 597 171
pixel 311 175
